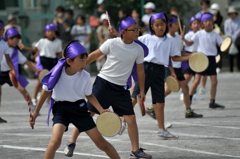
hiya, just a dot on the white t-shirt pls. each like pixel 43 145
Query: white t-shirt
pixel 193 47
pixel 177 40
pixel 4 49
pixel 49 48
pixel 146 17
pixel 72 88
pixel 207 42
pixel 80 33
pixel 160 49
pixel 120 60
pixel 21 60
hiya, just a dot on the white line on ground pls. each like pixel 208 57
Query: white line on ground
pixel 44 149
pixel 192 135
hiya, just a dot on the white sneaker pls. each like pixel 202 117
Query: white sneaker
pixel 197 98
pixel 203 90
pixel 181 96
pixel 165 135
pixel 124 125
pixel 34 101
pixel 167 125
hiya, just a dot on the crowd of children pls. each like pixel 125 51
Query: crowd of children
pixel 68 84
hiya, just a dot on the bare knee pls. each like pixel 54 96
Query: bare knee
pixel 102 144
pixel 55 143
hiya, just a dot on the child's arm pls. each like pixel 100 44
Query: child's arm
pixel 171 69
pixel 93 100
pixel 59 55
pixel 189 43
pixel 94 55
pixel 113 32
pixel 141 80
pixel 10 64
pixel 180 58
pixel 42 99
pixel 31 66
pixel 32 49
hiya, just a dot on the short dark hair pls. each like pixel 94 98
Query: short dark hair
pixel 18 36
pixel 60 9
pixel 70 12
pixel 82 17
pixel 1 21
pixel 205 1
pixel 166 21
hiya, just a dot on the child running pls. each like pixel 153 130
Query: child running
pixel 110 85
pixel 5 50
pixel 48 50
pixel 173 28
pixel 160 49
pixel 207 41
pixel 12 37
pixel 69 84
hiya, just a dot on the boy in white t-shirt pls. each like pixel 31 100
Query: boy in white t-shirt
pixel 207 40
pixel 110 86
pixel 69 84
pixel 12 37
pixel 173 28
pixel 4 51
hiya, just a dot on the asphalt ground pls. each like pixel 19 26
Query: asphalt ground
pixel 215 136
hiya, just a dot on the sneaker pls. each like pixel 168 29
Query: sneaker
pixel 68 151
pixel 167 125
pixel 140 154
pixel 150 112
pixel 165 135
pixel 32 108
pixel 181 96
pixel 2 120
pixel 193 115
pixel 202 91
pixel 197 98
pixel 34 101
pixel 216 106
pixel 124 125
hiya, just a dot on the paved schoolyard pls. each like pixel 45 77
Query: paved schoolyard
pixel 216 136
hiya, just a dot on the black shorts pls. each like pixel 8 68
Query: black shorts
pixel 4 78
pixel 48 63
pixel 178 72
pixel 109 94
pixel 73 112
pixel 154 78
pixel 188 70
pixel 211 69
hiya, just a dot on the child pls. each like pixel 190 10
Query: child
pixel 160 49
pixel 48 50
pixel 69 85
pixel 4 51
pixel 12 37
pixel 121 54
pixel 82 32
pixel 173 28
pixel 207 40
pixel 187 71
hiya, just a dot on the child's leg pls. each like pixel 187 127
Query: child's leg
pixel 37 89
pixel 204 81
pixel 159 111
pixel 185 90
pixel 132 131
pixel 74 135
pixel 102 144
pixel 187 77
pixel 55 142
pixel 195 84
pixel 76 132
pixel 167 90
pixel 23 91
pixel 214 83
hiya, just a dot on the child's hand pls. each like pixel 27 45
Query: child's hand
pixel 32 119
pixel 105 110
pixel 113 31
pixel 142 96
pixel 174 75
pixel 21 46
